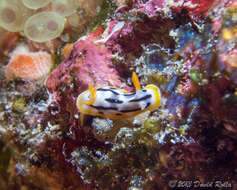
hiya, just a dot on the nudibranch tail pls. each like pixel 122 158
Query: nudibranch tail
pixel 116 103
pixel 135 81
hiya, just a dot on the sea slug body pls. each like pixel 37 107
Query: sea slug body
pixel 116 103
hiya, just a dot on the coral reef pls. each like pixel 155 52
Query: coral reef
pixel 186 47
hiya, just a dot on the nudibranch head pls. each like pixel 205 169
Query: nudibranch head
pixel 116 103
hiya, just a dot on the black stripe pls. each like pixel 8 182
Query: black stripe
pixel 130 94
pixel 104 108
pixel 124 111
pixel 144 90
pixel 148 104
pixel 140 99
pixel 118 114
pixel 103 89
pixel 111 100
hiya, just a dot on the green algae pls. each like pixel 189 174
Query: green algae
pixel 19 105
pixel 151 126
pixel 156 78
pixel 145 134
pixel 107 9
pixel 196 75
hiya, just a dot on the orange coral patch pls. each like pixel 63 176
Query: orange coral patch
pixel 30 66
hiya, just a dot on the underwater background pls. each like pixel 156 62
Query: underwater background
pixel 51 50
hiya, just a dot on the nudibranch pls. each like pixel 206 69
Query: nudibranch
pixel 114 103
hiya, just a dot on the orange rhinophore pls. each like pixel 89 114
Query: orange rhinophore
pixel 28 65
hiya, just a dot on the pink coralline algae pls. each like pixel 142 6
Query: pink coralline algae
pixel 119 33
pixel 90 62
pixel 195 7
pixel 150 8
pixel 137 32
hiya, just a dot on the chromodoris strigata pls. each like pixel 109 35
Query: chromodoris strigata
pixel 114 103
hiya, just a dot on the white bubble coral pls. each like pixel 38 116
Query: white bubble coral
pixel 13 15
pixel 44 26
pixel 65 7
pixel 28 65
pixel 35 4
